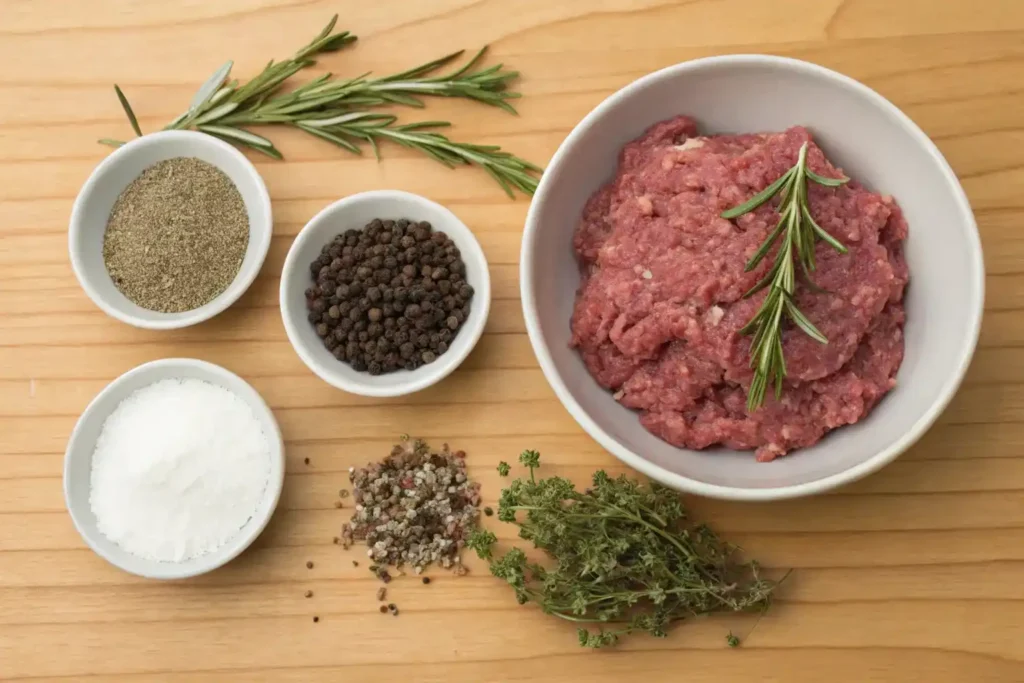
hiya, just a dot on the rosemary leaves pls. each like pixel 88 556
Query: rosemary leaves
pixel 798 234
pixel 625 559
pixel 340 110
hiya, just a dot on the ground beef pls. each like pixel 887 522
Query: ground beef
pixel 659 309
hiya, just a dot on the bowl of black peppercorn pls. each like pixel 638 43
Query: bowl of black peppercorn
pixel 384 293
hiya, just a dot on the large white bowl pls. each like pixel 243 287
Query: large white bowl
pixel 355 212
pixel 82 444
pixel 91 211
pixel 871 140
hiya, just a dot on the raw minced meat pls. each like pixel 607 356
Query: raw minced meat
pixel 660 306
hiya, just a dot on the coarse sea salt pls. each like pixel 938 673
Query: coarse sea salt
pixel 180 466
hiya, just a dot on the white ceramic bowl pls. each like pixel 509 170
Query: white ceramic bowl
pixel 96 198
pixel 78 466
pixel 872 141
pixel 354 213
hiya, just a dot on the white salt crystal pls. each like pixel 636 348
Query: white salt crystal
pixel 180 466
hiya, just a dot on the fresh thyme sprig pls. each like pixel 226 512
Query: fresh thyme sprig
pixel 625 558
pixel 336 110
pixel 799 234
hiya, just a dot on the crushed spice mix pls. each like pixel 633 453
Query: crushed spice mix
pixel 416 507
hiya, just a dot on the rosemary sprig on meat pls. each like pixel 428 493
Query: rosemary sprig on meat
pixel 624 558
pixel 338 110
pixel 797 234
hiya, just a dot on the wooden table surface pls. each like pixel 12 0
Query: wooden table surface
pixel 915 574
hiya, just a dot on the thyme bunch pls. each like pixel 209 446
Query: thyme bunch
pixel 340 110
pixel 624 556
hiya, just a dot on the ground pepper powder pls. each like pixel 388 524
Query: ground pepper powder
pixel 176 236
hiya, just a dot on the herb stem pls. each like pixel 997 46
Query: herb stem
pixel 800 234
pixel 621 553
pixel 339 111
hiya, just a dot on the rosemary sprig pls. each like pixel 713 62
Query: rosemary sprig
pixel 799 234
pixel 624 556
pixel 335 110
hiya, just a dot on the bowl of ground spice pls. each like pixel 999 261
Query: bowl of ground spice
pixel 170 230
pixel 384 293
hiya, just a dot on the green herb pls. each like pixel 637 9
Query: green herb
pixel 625 558
pixel 732 640
pixel 504 468
pixel 336 109
pixel 799 234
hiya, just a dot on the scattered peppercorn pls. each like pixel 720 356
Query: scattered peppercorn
pixel 426 580
pixel 415 507
pixel 338 504
pixel 337 540
pixel 383 609
pixel 389 297
pixel 316 619
pixel 309 594
pixel 382 594
pixel 393 608
pixel 309 565
pixel 343 493
pixel 355 563
pixel 489 511
pixel 306 461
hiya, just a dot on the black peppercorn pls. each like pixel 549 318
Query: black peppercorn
pixel 389 296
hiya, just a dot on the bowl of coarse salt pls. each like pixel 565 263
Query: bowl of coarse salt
pixel 173 469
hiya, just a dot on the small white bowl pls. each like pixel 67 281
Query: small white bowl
pixel 92 207
pixel 872 141
pixel 354 213
pixel 81 445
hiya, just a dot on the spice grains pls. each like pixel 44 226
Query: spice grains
pixel 416 507
pixel 389 297
pixel 176 236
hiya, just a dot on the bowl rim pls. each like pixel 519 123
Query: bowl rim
pixel 941 399
pixel 237 545
pixel 223 300
pixel 428 375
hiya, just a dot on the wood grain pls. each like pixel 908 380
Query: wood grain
pixel 916 574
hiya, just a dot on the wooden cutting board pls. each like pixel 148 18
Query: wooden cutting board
pixel 916 574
